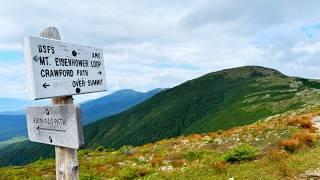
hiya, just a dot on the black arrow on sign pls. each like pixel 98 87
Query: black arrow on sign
pixel 45 85
pixel 35 58
pixel 100 72
pixel 48 129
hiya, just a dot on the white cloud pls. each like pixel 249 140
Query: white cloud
pixel 150 44
pixel 12 80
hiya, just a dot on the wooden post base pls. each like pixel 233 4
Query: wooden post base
pixel 67 165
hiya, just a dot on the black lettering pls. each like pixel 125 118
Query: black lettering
pixel 40 48
pixel 42 73
pixel 95 63
pixel 94 82
pixel 44 49
pixel 78 83
pixel 48 48
pixel 43 60
pixel 71 62
pixel 95 55
pixel 56 73
pixel 82 72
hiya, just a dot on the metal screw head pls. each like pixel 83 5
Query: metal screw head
pixel 74 53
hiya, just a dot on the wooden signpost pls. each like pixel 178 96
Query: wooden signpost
pixel 58 69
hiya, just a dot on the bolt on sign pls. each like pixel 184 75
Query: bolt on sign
pixel 56 68
pixel 56 125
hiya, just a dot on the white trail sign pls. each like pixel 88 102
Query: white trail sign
pixel 57 68
pixel 58 125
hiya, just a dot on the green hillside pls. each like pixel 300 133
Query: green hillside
pixel 215 101
pixel 284 146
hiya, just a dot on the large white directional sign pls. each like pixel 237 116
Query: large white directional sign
pixel 58 125
pixel 57 68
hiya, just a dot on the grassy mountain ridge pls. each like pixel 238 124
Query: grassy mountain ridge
pixel 260 150
pixel 219 100
pixel 216 101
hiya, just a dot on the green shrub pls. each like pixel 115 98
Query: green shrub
pixel 192 156
pixel 127 150
pixel 83 152
pixel 241 153
pixel 100 149
pixel 212 142
pixel 128 173
pixel 144 170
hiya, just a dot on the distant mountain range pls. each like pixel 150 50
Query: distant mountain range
pixel 113 104
pixel 13 123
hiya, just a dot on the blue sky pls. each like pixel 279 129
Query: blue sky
pixel 11 56
pixel 156 43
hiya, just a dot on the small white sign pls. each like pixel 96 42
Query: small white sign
pixel 56 68
pixel 58 125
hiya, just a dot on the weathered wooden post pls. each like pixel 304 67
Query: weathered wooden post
pixel 58 70
pixel 67 165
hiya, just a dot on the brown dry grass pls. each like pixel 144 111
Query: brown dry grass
pixel 305 138
pixel 286 171
pixel 220 166
pixel 155 162
pixel 290 145
pixel 276 155
pixel 178 162
pixel 195 137
pixel 300 139
pixel 304 121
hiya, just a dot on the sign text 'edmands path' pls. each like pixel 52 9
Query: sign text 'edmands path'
pixel 55 125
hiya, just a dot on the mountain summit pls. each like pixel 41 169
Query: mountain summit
pixel 216 101
pixel 246 71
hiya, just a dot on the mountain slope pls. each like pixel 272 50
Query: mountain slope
pixel 218 100
pixel 259 151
